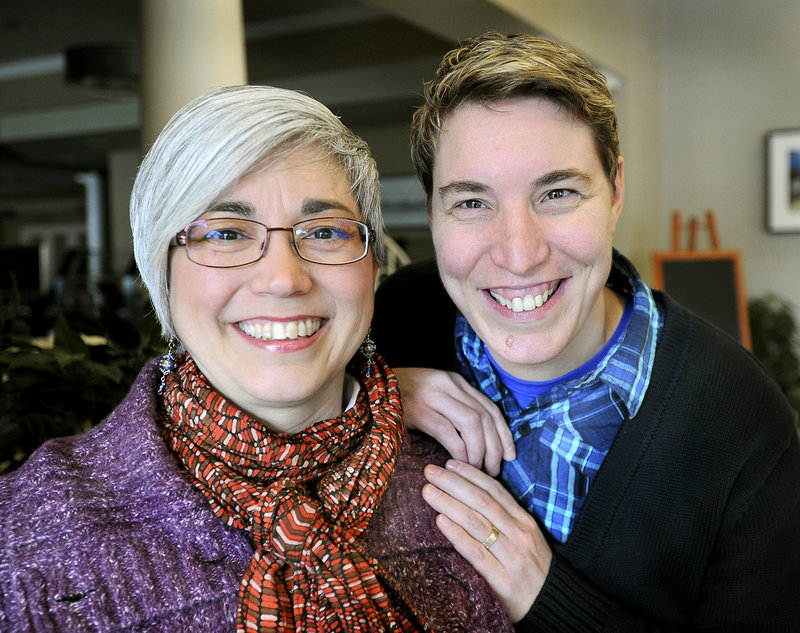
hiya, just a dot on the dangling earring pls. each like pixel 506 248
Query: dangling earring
pixel 167 364
pixel 368 348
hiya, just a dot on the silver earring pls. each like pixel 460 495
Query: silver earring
pixel 368 348
pixel 167 364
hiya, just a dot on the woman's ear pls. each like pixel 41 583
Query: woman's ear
pixel 618 198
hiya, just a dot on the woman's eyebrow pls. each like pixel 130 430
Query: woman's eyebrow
pixel 309 207
pixel 316 206
pixel 560 175
pixel 461 186
pixel 233 207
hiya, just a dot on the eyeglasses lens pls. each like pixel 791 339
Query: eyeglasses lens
pixel 330 240
pixel 225 242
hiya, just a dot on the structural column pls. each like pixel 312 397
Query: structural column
pixel 187 48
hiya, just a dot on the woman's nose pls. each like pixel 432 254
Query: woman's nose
pixel 280 270
pixel 519 240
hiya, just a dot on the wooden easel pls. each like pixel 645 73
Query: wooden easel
pixel 693 226
pixel 708 281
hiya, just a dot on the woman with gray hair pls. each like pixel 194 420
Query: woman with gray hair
pixel 252 478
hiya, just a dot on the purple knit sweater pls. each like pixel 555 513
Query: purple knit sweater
pixel 101 532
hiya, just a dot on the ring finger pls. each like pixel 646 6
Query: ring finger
pixel 465 504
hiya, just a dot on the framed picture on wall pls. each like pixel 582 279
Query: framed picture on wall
pixel 783 181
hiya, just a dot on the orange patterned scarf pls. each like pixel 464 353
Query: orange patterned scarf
pixel 305 498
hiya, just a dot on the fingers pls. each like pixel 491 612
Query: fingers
pixel 468 418
pixel 468 512
pixel 466 530
pixel 498 439
pixel 503 432
pixel 471 505
pixel 463 420
pixel 443 431
pixel 483 559
pixel 472 497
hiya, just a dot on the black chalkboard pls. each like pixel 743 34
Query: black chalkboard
pixel 708 283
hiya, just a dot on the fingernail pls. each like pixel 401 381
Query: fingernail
pixel 431 470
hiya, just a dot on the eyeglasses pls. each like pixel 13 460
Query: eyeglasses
pixel 232 242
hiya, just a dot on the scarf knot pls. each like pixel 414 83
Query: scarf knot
pixel 289 529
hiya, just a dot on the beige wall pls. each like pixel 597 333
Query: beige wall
pixel 730 74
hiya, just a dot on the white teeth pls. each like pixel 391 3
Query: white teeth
pixel 281 331
pixel 528 303
pixel 523 304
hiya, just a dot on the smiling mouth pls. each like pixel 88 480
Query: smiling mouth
pixel 281 331
pixel 525 303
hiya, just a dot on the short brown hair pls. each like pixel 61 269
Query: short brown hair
pixel 493 67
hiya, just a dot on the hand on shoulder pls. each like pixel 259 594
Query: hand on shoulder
pixel 465 422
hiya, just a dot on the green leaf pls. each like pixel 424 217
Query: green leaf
pixel 67 340
pixel 66 358
pixel 38 362
pixel 111 372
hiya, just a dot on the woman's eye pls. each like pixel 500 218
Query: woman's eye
pixel 560 200
pixel 558 194
pixel 326 233
pixel 470 204
pixel 471 210
pixel 224 235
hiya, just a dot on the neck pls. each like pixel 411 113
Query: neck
pixel 612 307
pixel 294 417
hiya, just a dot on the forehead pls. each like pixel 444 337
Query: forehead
pixel 305 172
pixel 504 134
pixel 290 187
pixel 308 161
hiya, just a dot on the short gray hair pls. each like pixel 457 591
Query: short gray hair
pixel 214 141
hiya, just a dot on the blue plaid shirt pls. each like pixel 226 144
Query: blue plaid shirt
pixel 564 434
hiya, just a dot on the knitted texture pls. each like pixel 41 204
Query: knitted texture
pixel 404 537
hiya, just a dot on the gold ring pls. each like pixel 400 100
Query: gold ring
pixel 490 540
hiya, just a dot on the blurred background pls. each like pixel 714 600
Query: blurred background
pixel 86 84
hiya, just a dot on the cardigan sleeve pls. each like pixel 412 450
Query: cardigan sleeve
pixel 102 532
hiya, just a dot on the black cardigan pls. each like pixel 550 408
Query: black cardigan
pixel 693 521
